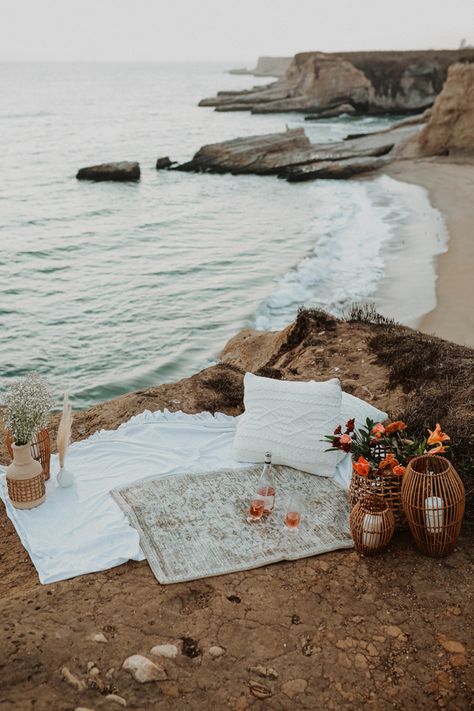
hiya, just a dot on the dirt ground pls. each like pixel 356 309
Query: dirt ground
pixel 331 632
pixel 335 631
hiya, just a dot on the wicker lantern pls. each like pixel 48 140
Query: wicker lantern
pixel 372 524
pixel 385 485
pixel 433 499
pixel 40 449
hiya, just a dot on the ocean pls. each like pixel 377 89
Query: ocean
pixel 106 287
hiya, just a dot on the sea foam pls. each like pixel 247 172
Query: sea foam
pixel 374 238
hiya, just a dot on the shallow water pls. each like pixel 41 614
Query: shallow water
pixel 106 287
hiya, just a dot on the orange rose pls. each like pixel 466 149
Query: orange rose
pixel 361 467
pixel 397 426
pixel 389 462
pixel 378 430
pixel 398 470
pixel 436 436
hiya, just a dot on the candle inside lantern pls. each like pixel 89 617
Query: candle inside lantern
pixel 434 506
pixel 372 531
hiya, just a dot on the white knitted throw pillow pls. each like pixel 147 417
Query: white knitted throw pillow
pixel 289 419
pixel 360 410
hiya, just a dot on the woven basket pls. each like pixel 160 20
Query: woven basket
pixel 433 499
pixel 22 493
pixel 40 449
pixel 372 524
pixel 388 487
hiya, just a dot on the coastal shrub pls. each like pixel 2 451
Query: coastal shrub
pixel 227 384
pixel 439 377
pixel 367 313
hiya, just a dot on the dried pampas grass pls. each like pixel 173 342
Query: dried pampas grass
pixel 64 430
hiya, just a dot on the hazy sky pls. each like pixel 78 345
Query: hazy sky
pixel 224 29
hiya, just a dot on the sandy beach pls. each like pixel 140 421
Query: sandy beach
pixel 451 188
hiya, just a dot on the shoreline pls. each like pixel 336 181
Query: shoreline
pixel 450 187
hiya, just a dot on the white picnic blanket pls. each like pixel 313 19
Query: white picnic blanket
pixel 82 529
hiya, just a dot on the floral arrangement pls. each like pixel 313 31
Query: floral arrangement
pixel 367 443
pixel 26 407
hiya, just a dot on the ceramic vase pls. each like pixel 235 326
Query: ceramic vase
pixel 65 478
pixel 25 479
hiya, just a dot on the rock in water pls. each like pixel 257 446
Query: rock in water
pixel 143 670
pixel 164 162
pixel 292 156
pixel 330 113
pixel 124 171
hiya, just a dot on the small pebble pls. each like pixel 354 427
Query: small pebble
pixel 216 651
pixel 99 637
pixel 114 698
pixel 265 672
pixel 72 679
pixel 143 670
pixel 170 651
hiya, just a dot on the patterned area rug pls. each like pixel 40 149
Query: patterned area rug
pixel 194 525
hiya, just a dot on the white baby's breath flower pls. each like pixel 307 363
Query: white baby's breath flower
pixel 26 407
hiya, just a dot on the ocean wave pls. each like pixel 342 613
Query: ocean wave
pixel 365 230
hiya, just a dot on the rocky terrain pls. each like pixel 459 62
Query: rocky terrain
pixel 369 82
pixel 266 67
pixel 336 631
pixel 292 156
pixel 450 128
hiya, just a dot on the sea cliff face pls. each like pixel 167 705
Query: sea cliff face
pixel 371 82
pixel 266 67
pixel 450 128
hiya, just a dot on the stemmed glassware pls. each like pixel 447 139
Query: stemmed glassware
pixel 255 513
pixel 294 511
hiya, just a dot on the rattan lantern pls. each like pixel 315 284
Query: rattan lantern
pixel 433 499
pixel 40 449
pixel 386 485
pixel 372 524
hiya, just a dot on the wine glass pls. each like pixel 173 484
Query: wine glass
pixel 257 505
pixel 294 511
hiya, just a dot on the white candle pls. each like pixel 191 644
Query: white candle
pixel 434 506
pixel 372 531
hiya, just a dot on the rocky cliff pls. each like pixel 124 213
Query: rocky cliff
pixel 267 67
pixel 373 82
pixel 450 128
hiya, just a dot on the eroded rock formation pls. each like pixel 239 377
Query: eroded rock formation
pixel 450 128
pixel 373 82
pixel 266 67
pixel 292 156
pixel 124 171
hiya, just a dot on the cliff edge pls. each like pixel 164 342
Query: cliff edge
pixel 450 127
pixel 370 82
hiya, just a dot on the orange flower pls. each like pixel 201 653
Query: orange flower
pixel 345 439
pixel 398 470
pixel 397 426
pixel 388 462
pixel 436 436
pixel 437 450
pixel 361 467
pixel 378 430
